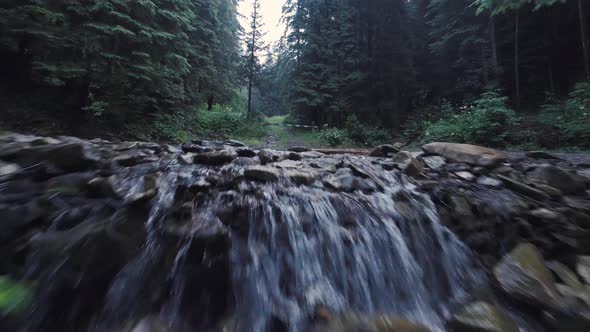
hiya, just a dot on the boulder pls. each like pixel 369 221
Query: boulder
pixel 408 164
pixel 523 274
pixel 267 156
pixel 186 158
pixel 489 182
pixel 383 150
pixel 193 148
pixel 288 164
pixel 348 183
pixel 215 158
pixel 294 156
pixel 7 169
pixel 434 162
pixel 482 317
pixel 567 182
pixel 301 177
pixel 464 175
pixel 466 153
pixel 69 157
pixel 130 159
pixel 261 173
pixel 171 149
pixel 103 187
pixel 246 152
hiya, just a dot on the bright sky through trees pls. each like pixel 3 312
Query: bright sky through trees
pixel 271 12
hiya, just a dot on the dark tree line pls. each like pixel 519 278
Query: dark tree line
pixel 383 60
pixel 120 59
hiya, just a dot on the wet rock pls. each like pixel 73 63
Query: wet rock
pixel 14 216
pixel 356 323
pixel 466 153
pixel 434 162
pixel 523 188
pixel 171 149
pixel 299 149
pixel 312 154
pixel 523 274
pixel 267 156
pixel 7 169
pixel 583 268
pixel 547 214
pixel 150 190
pixel 301 177
pixel 215 158
pixel 103 187
pixel 489 182
pixel 566 275
pixel 464 175
pixel 193 148
pixel 540 155
pixel 399 145
pixel 383 150
pixel 186 158
pixel 483 317
pixel 261 173
pixel 408 164
pixel 130 159
pixel 234 143
pixel 553 192
pixel 567 182
pixel 244 161
pixel 346 183
pixel 69 157
pixel 246 152
pixel 288 164
pixel 45 141
pixel 294 156
pixel 69 184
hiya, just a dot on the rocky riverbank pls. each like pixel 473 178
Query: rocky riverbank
pixel 81 219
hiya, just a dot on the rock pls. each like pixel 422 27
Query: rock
pixel 187 147
pixel 299 149
pixel 347 183
pixel 261 173
pixel 301 178
pixel 408 164
pixel 523 188
pixel 130 159
pixel 466 153
pixel 171 149
pixel 583 268
pixel 103 187
pixel 14 216
pixel 457 167
pixel 150 190
pixel 294 156
pixel 567 182
pixel 547 214
pixel 288 164
pixel 234 143
pixel 70 157
pixel 383 150
pixel 313 154
pixel 540 155
pixel 69 184
pixel 7 169
pixel 45 141
pixel 246 152
pixel 434 162
pixel 523 274
pixel 553 192
pixel 245 161
pixel 399 145
pixel 215 158
pixel 483 317
pixel 489 182
pixel 186 158
pixel 267 156
pixel 566 275
pixel 356 323
pixel 464 175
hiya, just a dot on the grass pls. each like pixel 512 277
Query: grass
pixel 278 119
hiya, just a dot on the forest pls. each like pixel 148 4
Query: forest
pixel 505 73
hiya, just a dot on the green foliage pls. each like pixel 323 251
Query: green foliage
pixel 334 136
pixel 365 134
pixel 571 116
pixel 500 6
pixel 14 297
pixel 488 121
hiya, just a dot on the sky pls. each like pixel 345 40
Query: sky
pixel 271 14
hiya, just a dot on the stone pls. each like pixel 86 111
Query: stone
pixel 357 323
pixel 294 156
pixel 345 183
pixel 464 175
pixel 553 192
pixel 68 184
pixel 246 152
pixel 383 150
pixel 150 190
pixel 14 216
pixel 215 158
pixel 186 158
pixel 234 143
pixel 523 188
pixel 171 149
pixel 546 214
pixel 466 153
pixel 523 274
pixel 267 156
pixel 194 148
pixel 299 149
pixel 483 317
pixel 489 182
pixel 313 154
pixel 261 173
pixel 566 275
pixel 45 141
pixel 288 164
pixel 101 186
pixel 245 161
pixel 399 145
pixel 583 268
pixel 130 159
pixel 540 155
pixel 567 182
pixel 434 162
pixel 301 177
pixel 7 169
pixel 408 164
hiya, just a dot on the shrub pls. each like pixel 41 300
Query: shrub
pixel 365 134
pixel 488 121
pixel 571 116
pixel 334 136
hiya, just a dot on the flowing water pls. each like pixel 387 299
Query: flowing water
pixel 290 251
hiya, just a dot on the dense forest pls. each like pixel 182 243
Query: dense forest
pixel 496 72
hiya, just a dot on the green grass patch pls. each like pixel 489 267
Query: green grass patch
pixel 278 119
pixel 15 297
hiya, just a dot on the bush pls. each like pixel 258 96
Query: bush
pixel 571 116
pixel 488 121
pixel 365 134
pixel 334 136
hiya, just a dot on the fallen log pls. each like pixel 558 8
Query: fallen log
pixel 343 151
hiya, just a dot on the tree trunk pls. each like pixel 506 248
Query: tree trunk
pixel 584 37
pixel 210 102
pixel 516 64
pixel 493 45
pixel 252 61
